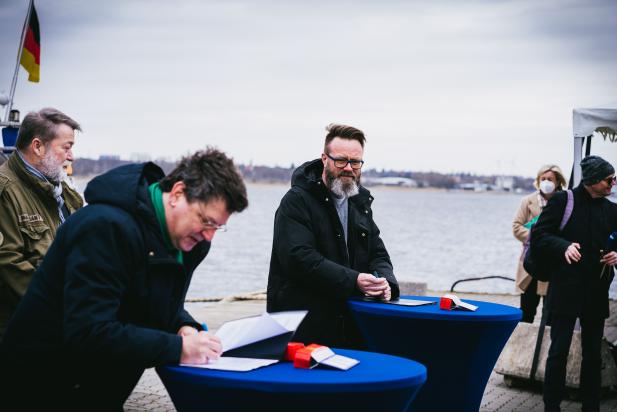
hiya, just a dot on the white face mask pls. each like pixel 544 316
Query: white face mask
pixel 547 187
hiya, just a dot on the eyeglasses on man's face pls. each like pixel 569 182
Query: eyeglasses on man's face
pixel 209 224
pixel 341 163
pixel 610 180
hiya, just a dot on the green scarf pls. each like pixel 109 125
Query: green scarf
pixel 532 222
pixel 156 195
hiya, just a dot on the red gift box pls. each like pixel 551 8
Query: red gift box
pixel 292 348
pixel 446 304
pixel 300 354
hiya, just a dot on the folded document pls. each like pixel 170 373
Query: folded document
pixel 262 336
pixel 255 341
pixel 452 302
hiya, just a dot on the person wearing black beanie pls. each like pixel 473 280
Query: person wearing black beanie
pixel 594 170
pixel 579 255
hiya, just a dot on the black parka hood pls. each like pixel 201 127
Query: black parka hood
pixel 308 174
pixel 123 186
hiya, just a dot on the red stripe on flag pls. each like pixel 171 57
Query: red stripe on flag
pixel 31 45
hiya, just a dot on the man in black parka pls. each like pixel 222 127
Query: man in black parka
pixel 581 276
pixel 108 299
pixel 326 246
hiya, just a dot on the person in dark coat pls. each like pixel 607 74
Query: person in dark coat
pixel 108 299
pixel 326 246
pixel 582 274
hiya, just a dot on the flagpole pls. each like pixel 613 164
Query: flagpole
pixel 19 53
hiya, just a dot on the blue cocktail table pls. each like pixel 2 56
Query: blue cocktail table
pixel 378 383
pixel 459 349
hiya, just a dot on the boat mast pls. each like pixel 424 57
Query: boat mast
pixel 9 106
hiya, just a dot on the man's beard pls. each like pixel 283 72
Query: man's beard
pixel 340 187
pixel 50 168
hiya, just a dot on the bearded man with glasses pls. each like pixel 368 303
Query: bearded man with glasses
pixel 582 258
pixel 326 246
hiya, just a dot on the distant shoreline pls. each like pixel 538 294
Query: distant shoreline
pixel 396 188
pixel 84 168
pixel 82 181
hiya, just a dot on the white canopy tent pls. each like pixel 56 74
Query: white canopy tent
pixel 601 119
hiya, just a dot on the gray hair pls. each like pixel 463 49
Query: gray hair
pixel 44 125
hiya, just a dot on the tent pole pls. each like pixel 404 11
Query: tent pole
pixel 578 153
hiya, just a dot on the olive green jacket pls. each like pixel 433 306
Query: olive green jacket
pixel 28 223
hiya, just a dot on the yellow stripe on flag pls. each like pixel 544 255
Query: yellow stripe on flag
pixel 29 63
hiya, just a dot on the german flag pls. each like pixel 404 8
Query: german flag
pixel 31 54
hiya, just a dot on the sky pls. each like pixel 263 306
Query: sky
pixel 484 86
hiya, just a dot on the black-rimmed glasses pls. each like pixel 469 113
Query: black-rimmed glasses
pixel 342 163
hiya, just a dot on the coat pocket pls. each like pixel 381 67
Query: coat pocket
pixel 34 231
pixel 37 239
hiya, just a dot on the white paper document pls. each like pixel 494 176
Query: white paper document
pixel 252 330
pixel 412 302
pixel 340 362
pixel 325 356
pixel 234 364
pixel 402 301
pixel 241 332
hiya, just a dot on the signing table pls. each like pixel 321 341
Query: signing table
pixel 459 349
pixel 378 383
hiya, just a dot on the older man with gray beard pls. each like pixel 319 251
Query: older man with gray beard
pixel 34 200
pixel 326 246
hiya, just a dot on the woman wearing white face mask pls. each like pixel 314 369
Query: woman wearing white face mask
pixel 548 181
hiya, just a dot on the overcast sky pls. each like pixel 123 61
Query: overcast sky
pixel 482 86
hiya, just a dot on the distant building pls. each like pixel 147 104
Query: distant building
pixel 476 186
pixel 505 183
pixel 390 181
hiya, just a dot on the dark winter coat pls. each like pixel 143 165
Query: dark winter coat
pixel 312 268
pixel 106 302
pixel 576 289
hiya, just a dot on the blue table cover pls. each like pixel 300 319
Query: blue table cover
pixel 379 381
pixel 487 311
pixel 459 348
